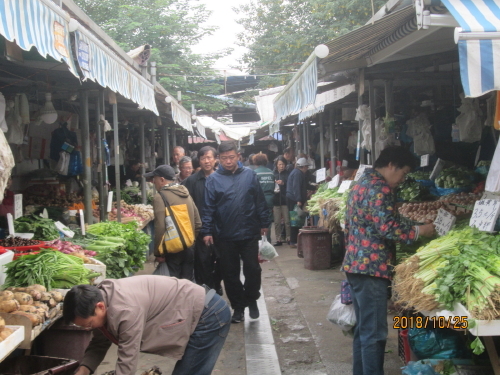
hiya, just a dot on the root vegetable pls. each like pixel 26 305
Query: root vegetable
pixel 2 323
pixel 34 319
pixel 6 295
pixel 9 306
pixel 6 332
pixel 23 298
pixel 28 308
pixel 57 296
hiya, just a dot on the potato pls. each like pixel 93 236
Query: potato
pixel 9 306
pixel 41 305
pixel 6 294
pixel 46 297
pixel 35 319
pixel 23 298
pixel 36 294
pixel 17 290
pixel 2 323
pixel 6 332
pixel 57 296
pixel 28 308
pixel 38 287
pixel 51 303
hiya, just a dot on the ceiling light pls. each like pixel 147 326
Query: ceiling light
pixel 168 99
pixel 48 113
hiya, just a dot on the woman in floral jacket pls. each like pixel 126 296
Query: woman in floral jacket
pixel 372 228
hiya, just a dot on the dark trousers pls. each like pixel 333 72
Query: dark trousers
pixel 294 231
pixel 206 265
pixel 181 264
pixel 240 295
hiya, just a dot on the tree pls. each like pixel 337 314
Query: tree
pixel 281 34
pixel 171 27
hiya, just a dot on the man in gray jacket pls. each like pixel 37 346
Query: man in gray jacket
pixel 154 314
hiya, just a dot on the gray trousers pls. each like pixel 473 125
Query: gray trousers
pixel 281 212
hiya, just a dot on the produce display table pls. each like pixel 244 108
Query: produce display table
pixel 483 328
pixel 12 342
pixel 30 332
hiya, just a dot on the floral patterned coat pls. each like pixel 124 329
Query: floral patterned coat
pixel 373 227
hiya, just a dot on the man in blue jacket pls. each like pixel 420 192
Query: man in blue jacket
pixel 296 193
pixel 235 216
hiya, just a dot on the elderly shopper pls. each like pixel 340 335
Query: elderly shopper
pixel 372 229
pixel 280 208
pixel 154 314
pixel 296 193
pixel 185 168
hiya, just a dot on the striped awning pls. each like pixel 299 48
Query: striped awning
pixel 200 129
pixel 34 23
pixel 181 116
pixel 478 44
pixel 99 64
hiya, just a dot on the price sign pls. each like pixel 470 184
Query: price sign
pixel 344 186
pixel 110 201
pixel 82 222
pixel 444 222
pixel 485 214
pixel 424 160
pixel 488 195
pixel 360 171
pixel 320 175
pixel 437 169
pixel 10 224
pixel 18 206
pixel 334 182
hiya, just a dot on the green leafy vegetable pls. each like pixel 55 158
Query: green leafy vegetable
pixel 44 229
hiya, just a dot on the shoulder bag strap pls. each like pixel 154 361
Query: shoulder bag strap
pixel 167 205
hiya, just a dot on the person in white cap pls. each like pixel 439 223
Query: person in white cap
pixel 296 193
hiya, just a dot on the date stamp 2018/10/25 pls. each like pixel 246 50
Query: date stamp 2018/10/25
pixel 453 322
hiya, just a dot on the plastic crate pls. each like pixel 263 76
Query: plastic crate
pixel 26 250
pixel 404 349
pixel 37 365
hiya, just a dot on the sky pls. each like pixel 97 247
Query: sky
pixel 225 37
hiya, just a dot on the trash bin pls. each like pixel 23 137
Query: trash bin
pixel 316 246
pixel 37 365
pixel 65 341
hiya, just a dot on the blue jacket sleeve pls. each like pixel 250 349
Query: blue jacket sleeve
pixel 261 205
pixel 208 210
pixel 293 187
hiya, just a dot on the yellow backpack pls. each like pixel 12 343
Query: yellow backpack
pixel 179 233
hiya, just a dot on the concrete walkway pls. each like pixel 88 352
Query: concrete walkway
pixel 292 325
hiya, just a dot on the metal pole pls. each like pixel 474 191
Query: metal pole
pixel 174 143
pixel 102 136
pixel 117 163
pixel 87 170
pixel 152 140
pixel 100 182
pixel 333 156
pixel 371 93
pixel 143 161
pixel 389 99
pixel 304 140
pixel 321 142
pixel 167 147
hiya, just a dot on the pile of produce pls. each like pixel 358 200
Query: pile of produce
pixel 17 242
pixel 424 212
pixel 44 229
pixel 462 266
pixel 129 212
pixel 47 197
pixel 131 194
pixel 322 194
pixel 412 191
pixel 4 331
pixel 419 175
pixel 49 268
pixel 121 247
pixel 33 302
pixel 461 199
pixel 67 247
pixel 453 178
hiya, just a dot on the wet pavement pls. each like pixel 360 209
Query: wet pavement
pixel 292 337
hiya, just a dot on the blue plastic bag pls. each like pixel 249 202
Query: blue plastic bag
pixel 437 343
pixel 75 166
pixel 444 191
pixel 418 368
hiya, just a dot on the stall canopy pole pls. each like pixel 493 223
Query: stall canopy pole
pixel 153 142
pixel 143 161
pixel 304 141
pixel 87 171
pixel 173 138
pixel 167 148
pixel 321 141
pixel 117 162
pixel 361 90
pixel 371 93
pixel 102 106
pixel 165 143
pixel 333 157
pixel 389 99
pixel 100 180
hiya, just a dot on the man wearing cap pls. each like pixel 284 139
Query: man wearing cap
pixel 296 193
pixel 179 264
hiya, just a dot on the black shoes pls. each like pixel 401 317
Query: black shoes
pixel 238 316
pixel 279 243
pixel 253 310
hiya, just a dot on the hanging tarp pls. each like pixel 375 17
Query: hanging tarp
pixel 327 97
pixel 99 64
pixel 300 91
pixel 479 57
pixel 200 129
pixel 181 116
pixel 33 23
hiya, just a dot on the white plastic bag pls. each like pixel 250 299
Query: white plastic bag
pixel 162 269
pixel 266 250
pixel 493 179
pixel 342 315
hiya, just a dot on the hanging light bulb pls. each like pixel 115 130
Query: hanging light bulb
pixel 168 99
pixel 48 113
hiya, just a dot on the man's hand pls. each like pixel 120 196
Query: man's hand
pixel 427 230
pixel 82 370
pixel 263 231
pixel 208 240
pixel 160 259
pixel 279 182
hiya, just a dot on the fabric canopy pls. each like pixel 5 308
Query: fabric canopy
pixel 479 57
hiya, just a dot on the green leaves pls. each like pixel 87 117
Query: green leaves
pixel 477 346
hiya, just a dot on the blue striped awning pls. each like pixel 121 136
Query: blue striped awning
pixel 99 64
pixel 479 48
pixel 32 23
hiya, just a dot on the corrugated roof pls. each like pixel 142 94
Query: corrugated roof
pixel 358 43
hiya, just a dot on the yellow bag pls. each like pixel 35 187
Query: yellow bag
pixel 179 233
